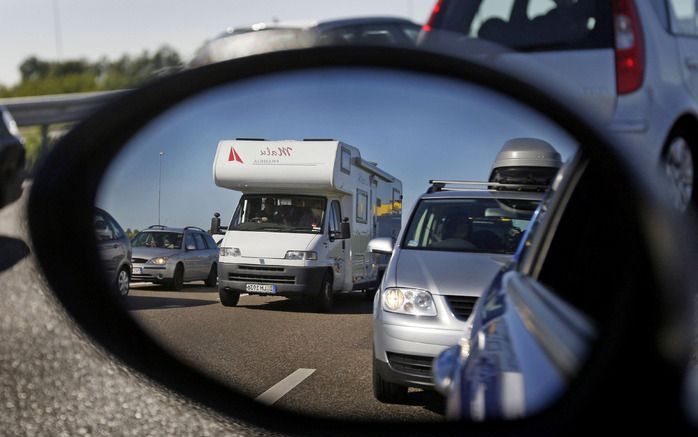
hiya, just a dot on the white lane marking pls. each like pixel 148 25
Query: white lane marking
pixel 284 386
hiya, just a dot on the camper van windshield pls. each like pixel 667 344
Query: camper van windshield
pixel 279 213
pixel 469 225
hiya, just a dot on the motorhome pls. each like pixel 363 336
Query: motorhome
pixel 302 225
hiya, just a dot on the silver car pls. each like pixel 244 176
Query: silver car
pixel 635 62
pixel 454 243
pixel 172 256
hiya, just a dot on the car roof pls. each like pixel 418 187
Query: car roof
pixel 482 194
pixel 158 228
pixel 319 25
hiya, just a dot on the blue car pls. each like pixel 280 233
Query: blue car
pixel 527 340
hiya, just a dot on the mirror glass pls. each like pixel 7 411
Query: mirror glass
pixel 274 186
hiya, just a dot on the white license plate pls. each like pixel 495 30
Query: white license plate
pixel 138 270
pixel 261 288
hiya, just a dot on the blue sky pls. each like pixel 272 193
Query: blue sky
pixel 416 128
pixel 96 28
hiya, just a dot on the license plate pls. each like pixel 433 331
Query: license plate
pixel 261 288
pixel 137 270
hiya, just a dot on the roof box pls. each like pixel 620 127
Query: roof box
pixel 526 161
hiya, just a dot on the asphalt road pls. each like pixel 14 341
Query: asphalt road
pixel 259 343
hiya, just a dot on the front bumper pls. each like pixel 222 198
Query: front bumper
pixel 151 272
pixel 289 280
pixel 404 354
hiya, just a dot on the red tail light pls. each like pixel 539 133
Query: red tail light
pixel 629 47
pixel 434 13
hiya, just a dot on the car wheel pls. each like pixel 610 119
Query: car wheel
pixel 212 278
pixel 123 282
pixel 325 296
pixel 679 169
pixel 229 298
pixel 178 279
pixel 385 391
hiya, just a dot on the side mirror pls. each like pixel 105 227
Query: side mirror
pixel 383 246
pixel 345 230
pixel 444 369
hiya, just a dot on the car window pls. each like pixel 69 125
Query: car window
pixel 684 17
pixel 103 229
pixel 159 240
pixel 469 225
pixel 189 240
pixel 335 217
pixel 210 242
pixel 199 242
pixel 533 25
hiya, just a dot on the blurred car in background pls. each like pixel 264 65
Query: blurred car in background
pixel 634 62
pixel 265 37
pixel 114 250
pixel 12 158
pixel 172 256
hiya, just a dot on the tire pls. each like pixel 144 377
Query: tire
pixel 325 296
pixel 212 278
pixel 122 283
pixel 177 281
pixel 679 168
pixel 385 391
pixel 229 298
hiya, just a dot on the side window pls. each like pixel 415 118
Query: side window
pixel 210 242
pixel 684 17
pixel 397 201
pixel 335 217
pixel 346 160
pixel 361 206
pixel 103 229
pixel 189 240
pixel 118 232
pixel 199 241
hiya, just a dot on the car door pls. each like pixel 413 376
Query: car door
pixel 684 25
pixel 190 257
pixel 336 247
pixel 110 250
pixel 202 256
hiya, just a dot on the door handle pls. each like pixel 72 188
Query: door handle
pixel 115 246
pixel 692 63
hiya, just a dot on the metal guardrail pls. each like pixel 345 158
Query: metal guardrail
pixel 53 109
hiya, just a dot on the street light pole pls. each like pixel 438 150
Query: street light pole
pixel 160 185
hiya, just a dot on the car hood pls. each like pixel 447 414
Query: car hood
pixel 448 273
pixel 267 244
pixel 152 252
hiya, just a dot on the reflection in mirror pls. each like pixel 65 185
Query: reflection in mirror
pixel 250 209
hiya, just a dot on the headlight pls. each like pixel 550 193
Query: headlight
pixel 301 254
pixel 159 260
pixel 229 251
pixel 408 301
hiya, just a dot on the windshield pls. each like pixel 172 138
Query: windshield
pixel 160 240
pixel 532 24
pixel 469 225
pixel 280 213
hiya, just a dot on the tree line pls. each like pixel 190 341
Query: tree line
pixel 42 77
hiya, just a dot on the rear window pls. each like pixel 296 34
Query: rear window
pixel 531 25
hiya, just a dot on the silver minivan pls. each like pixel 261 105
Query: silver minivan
pixel 634 63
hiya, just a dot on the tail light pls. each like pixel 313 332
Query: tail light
pixel 629 47
pixel 432 18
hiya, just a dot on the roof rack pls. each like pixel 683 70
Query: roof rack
pixel 161 227
pixel 194 227
pixel 443 185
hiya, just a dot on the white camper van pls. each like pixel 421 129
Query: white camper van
pixel 307 212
